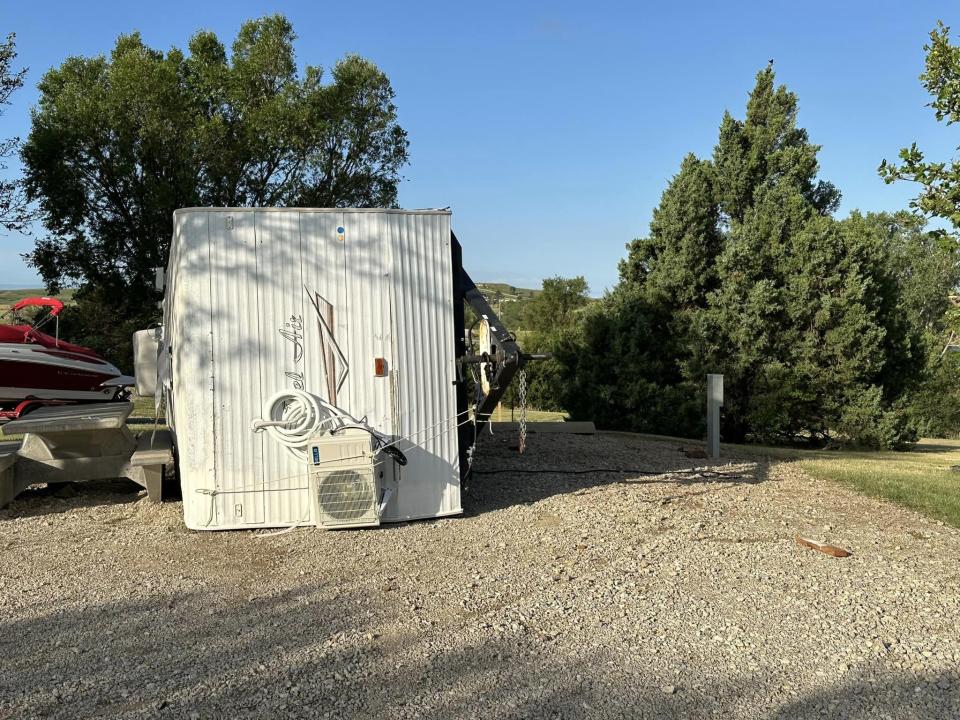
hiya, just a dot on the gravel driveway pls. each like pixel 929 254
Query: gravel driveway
pixel 593 594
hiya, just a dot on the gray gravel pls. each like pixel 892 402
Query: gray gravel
pixel 558 596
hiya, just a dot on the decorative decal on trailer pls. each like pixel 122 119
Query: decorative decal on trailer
pixel 334 361
pixel 335 365
pixel 292 332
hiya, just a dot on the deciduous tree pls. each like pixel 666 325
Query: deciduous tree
pixel 940 180
pixel 118 143
pixel 15 212
pixel 546 320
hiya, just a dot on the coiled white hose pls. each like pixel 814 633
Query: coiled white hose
pixel 294 417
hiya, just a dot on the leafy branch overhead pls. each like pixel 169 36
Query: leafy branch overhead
pixel 14 209
pixel 940 196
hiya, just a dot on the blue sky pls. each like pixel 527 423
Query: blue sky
pixel 551 129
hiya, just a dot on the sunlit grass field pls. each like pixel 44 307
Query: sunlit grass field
pixel 506 414
pixel 920 478
pixel 9 297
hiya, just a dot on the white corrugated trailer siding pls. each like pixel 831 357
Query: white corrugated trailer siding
pixel 240 323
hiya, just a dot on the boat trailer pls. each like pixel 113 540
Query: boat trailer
pixel 79 443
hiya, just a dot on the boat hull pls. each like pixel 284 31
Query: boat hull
pixel 48 374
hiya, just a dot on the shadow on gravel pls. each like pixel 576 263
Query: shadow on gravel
pixel 293 655
pixel 46 500
pixel 170 655
pixel 559 465
pixel 918 696
pixel 502 477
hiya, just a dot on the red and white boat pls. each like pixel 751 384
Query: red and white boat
pixel 37 369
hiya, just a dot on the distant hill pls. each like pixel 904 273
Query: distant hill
pixel 508 301
pixel 510 304
pixel 508 292
pixel 9 297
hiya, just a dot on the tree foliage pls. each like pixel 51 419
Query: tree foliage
pixel 678 259
pixel 118 143
pixel 940 181
pixel 547 319
pixel 615 371
pixel 767 149
pixel 819 326
pixel 15 212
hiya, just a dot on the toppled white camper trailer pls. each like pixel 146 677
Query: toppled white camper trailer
pixel 312 368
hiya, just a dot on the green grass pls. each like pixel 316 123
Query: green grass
pixel 145 407
pixel 919 478
pixel 532 415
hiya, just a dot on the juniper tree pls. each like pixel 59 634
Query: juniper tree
pixel 804 324
pixel 768 148
pixel 745 272
pixel 676 262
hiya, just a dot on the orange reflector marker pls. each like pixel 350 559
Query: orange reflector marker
pixel 380 367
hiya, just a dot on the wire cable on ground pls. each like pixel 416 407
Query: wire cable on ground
pixel 291 528
pixel 589 471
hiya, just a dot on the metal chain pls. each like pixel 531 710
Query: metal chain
pixel 522 394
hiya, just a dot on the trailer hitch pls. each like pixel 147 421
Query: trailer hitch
pixel 492 365
pixel 492 362
pixel 499 357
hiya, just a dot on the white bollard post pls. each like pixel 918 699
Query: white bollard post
pixel 714 403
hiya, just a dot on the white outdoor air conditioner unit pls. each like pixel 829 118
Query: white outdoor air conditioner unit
pixel 344 482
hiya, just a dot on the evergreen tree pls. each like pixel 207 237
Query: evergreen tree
pixel 616 373
pixel 765 149
pixel 746 273
pixel 677 262
pixel 625 367
pixel 802 326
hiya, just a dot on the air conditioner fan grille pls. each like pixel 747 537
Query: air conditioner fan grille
pixel 346 495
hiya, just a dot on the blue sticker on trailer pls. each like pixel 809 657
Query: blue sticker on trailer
pixel 316 455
